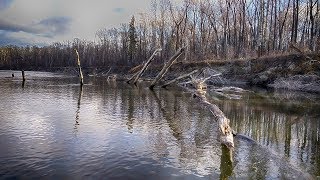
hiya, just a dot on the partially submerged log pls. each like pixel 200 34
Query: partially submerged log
pixel 224 129
pixel 146 65
pixel 179 78
pixel 166 67
pixel 79 67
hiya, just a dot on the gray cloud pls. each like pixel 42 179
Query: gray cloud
pixel 118 10
pixel 12 27
pixel 4 4
pixel 43 31
pixel 55 25
pixel 49 27
pixel 6 40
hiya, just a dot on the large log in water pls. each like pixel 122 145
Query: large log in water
pixel 79 67
pixel 224 129
pixel 166 67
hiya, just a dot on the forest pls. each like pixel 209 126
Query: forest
pixel 209 29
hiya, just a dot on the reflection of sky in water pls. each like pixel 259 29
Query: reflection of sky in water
pixel 131 132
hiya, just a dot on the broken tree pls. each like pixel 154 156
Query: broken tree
pixel 166 67
pixel 79 67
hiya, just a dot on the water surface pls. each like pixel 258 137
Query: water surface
pixel 51 128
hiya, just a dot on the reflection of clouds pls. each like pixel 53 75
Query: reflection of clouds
pixel 171 132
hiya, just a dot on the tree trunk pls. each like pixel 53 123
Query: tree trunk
pixel 166 67
pixel 178 78
pixel 146 65
pixel 79 67
pixel 224 129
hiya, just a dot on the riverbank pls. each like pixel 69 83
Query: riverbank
pixel 296 72
pixel 293 71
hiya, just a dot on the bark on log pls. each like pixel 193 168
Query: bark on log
pixel 179 78
pixel 166 67
pixel 79 67
pixel 225 131
pixel 146 65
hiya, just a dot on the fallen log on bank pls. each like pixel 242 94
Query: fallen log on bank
pixel 79 67
pixel 137 75
pixel 132 77
pixel 146 65
pixel 166 67
pixel 179 78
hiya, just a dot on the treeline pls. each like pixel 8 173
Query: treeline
pixel 210 29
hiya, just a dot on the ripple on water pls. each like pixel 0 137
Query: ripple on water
pixel 118 131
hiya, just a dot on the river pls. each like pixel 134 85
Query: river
pixel 50 128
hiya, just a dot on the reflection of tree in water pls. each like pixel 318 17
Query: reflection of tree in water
pixel 193 135
pixel 226 164
pixel 78 109
pixel 291 135
pixel 130 107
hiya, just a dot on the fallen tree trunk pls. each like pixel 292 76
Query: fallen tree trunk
pixel 79 67
pixel 179 78
pixel 166 67
pixel 146 65
pixel 133 76
pixel 224 129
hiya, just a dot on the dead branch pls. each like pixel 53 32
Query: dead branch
pixel 166 67
pixel 132 77
pixel 179 78
pixel 146 65
pixel 79 67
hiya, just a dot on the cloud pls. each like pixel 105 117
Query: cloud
pixel 4 4
pixel 9 26
pixel 55 25
pixel 63 20
pixel 22 39
pixel 118 10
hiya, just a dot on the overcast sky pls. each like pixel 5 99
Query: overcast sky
pixel 42 22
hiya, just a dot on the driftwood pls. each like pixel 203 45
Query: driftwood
pixel 179 78
pixel 166 67
pixel 224 129
pixel 136 78
pixel 79 67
